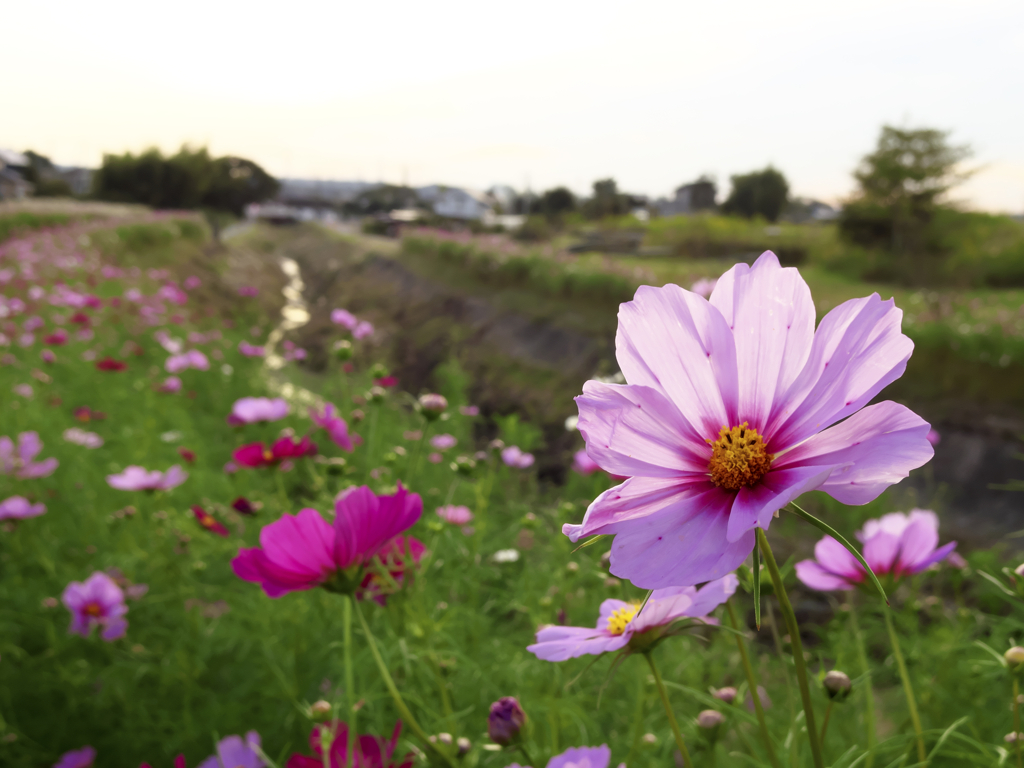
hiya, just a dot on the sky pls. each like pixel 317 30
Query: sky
pixel 533 94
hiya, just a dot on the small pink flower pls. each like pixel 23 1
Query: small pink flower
pixel 336 427
pixel 583 464
pixel 362 330
pixel 20 462
pixel 250 350
pixel 135 478
pixel 443 442
pixel 77 758
pixel 248 291
pixel 435 458
pixel 23 390
pixel 209 522
pixel 192 282
pixel 249 410
pixel 171 384
pixel 454 515
pixel 258 455
pixel 83 437
pixel 705 286
pixel 513 456
pixel 19 508
pixel 96 602
pixel 933 436
pixel 469 410
pixel 344 318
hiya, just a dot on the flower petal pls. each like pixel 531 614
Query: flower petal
pixel 918 540
pixel 579 757
pixel 770 311
pixel 873 449
pixel 837 559
pixel 674 341
pixel 814 576
pixel 637 431
pixel 561 643
pixel 754 507
pixel 857 351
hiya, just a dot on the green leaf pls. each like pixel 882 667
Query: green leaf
pixel 588 542
pixel 756 573
pixel 826 528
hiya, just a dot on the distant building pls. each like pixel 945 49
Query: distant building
pixel 317 193
pixel 689 198
pixel 457 203
pixel 804 209
pixel 79 179
pixel 13 186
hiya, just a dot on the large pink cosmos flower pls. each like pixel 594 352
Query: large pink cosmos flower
pixel 580 757
pixel 618 621
pixel 135 478
pixel 20 461
pixel 336 427
pixel 305 551
pixel 96 602
pixel 897 544
pixel 728 414
pixel 249 410
pixel 20 508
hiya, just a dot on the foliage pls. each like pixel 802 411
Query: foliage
pixel 606 201
pixel 758 193
pixel 381 199
pixel 20 222
pixel 556 202
pixel 187 180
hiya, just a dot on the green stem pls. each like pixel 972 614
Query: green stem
pixel 869 696
pixel 1016 719
pixel 638 719
pixel 371 440
pixel 668 711
pixel 350 687
pixel 279 478
pixel 389 683
pixel 798 649
pixel 908 689
pixel 824 725
pixel 526 755
pixel 752 684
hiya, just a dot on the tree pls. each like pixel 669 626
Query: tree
pixel 760 193
pixel 557 202
pixel 607 200
pixel 43 174
pixel 901 184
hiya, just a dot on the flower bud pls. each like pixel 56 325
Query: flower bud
pixel 432 406
pixel 320 710
pixel 727 694
pixel 445 738
pixel 496 445
pixel 357 416
pixel 378 371
pixel 343 350
pixel 837 685
pixel 376 394
pixel 1014 657
pixel 709 719
pixel 463 465
pixel 463 744
pixel 505 720
pixel 1019 570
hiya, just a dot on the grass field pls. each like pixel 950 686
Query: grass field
pixel 207 654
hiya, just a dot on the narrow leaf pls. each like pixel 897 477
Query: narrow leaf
pixel 946 734
pixel 757 588
pixel 588 542
pixel 826 528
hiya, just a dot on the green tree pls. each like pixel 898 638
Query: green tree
pixel 557 202
pixel 606 200
pixel 760 193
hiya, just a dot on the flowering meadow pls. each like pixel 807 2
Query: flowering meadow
pixel 211 557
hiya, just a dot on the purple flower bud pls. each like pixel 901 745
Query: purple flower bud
pixel 463 744
pixel 505 720
pixel 727 694
pixel 710 718
pixel 433 405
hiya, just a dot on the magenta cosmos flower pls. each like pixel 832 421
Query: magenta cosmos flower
pixel 77 758
pixel 19 461
pixel 618 621
pixel 258 455
pixel 337 428
pixel 96 602
pixel 331 748
pixel 249 410
pixel 136 478
pixel 20 508
pixel 728 416
pixel 897 544
pixel 305 551
pixel 579 757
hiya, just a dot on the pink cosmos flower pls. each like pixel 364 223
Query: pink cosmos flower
pixel 514 456
pixel 47 356
pixel 83 437
pixel 249 410
pixel 454 515
pixel 250 350
pixel 248 291
pixel 344 318
pixel 23 390
pixel 933 436
pixel 363 329
pixel 443 442
pixel 258 455
pixel 336 427
pixel 209 522
pixel 369 752
pixel 77 758
pixel 469 410
pixel 171 385
pixel 705 286
pixel 136 478
pixel 191 359
pixel 19 508
pixel 579 757
pixel 583 464
pixel 434 457
pixel 192 282
pixel 304 551
pixel 618 621
pixel 728 414
pixel 20 462
pixel 236 752
pixel 897 544
pixel 57 338
pixel 96 602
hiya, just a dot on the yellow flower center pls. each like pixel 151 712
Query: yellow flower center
pixel 621 617
pixel 739 458
pixel 268 455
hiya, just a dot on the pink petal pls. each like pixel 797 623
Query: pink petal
pixel 636 498
pixel 938 555
pixel 561 643
pixel 303 544
pixel 674 341
pixel 873 449
pixel 881 551
pixel 637 431
pixel 837 559
pixel 582 757
pixel 918 541
pixel 858 350
pixel 713 594
pixel 665 606
pixel 771 314
pixel 816 577
pixel 755 506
